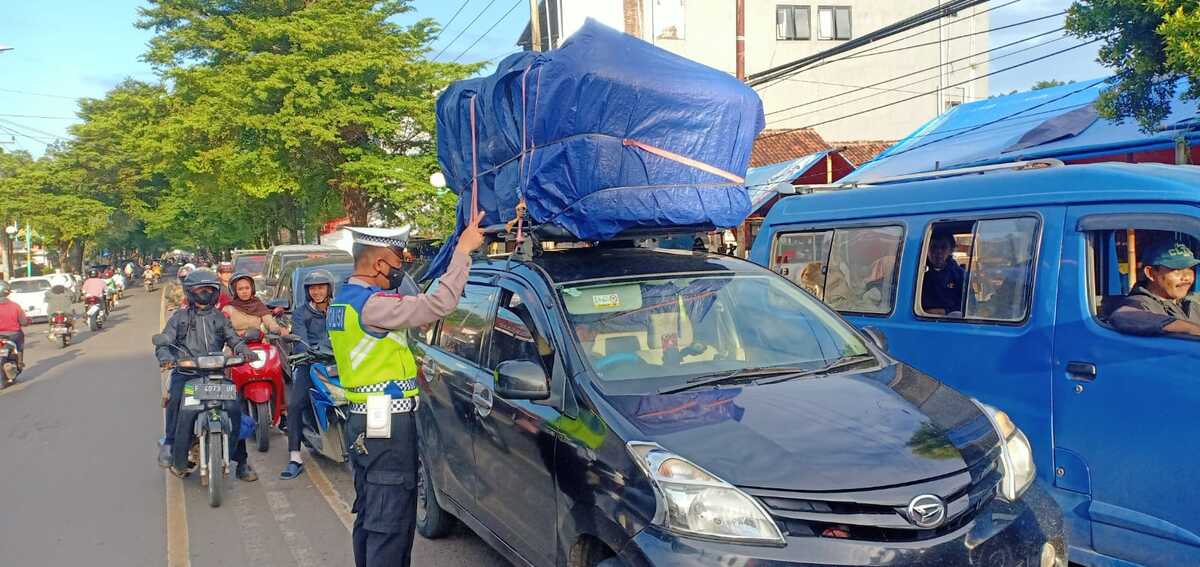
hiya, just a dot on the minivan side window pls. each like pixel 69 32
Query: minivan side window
pixel 463 329
pixel 853 270
pixel 515 334
pixel 1110 270
pixel 978 270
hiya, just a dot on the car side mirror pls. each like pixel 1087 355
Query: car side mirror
pixel 876 337
pixel 280 303
pixel 160 340
pixel 522 380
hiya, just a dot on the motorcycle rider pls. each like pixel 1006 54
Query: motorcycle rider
pixel 59 300
pixel 309 323
pixel 93 286
pixel 225 272
pixel 197 330
pixel 174 292
pixel 246 311
pixel 12 318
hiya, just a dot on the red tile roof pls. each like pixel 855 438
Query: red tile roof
pixel 861 152
pixel 774 146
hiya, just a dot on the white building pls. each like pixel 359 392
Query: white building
pixel 940 62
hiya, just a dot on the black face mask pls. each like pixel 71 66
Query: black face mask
pixel 395 276
pixel 204 297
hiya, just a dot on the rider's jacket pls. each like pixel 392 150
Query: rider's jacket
pixel 199 332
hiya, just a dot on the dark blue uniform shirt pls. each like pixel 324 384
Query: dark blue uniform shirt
pixel 943 289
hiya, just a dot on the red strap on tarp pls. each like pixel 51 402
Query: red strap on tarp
pixel 682 159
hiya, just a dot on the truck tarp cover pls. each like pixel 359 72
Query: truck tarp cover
pixel 576 132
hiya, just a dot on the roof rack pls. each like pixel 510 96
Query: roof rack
pixel 1023 165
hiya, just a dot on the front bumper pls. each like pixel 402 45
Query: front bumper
pixel 1001 535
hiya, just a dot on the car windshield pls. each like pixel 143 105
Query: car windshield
pixel 252 265
pixel 26 286
pixel 649 333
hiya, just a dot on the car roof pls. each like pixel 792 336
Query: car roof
pixel 286 248
pixel 578 264
pixel 30 279
pixel 1073 184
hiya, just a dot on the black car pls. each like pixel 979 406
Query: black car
pixel 629 406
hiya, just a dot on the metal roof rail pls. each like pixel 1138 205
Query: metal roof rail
pixel 1011 166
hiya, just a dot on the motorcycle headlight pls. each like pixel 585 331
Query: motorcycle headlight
pixel 1016 456
pixel 693 501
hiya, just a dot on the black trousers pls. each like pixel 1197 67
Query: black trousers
pixel 385 493
pixel 298 406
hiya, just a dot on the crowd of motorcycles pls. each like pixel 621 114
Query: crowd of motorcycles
pixel 217 382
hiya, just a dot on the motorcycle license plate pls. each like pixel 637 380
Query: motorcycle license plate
pixel 216 392
pixel 59 330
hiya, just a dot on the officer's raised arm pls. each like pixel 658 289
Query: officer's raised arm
pixel 389 310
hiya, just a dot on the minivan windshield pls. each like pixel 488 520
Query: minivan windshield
pixel 643 334
pixel 26 286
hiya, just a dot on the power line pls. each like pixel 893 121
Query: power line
pixel 464 30
pixel 872 52
pixel 935 91
pixel 23 135
pixel 41 94
pixel 489 30
pixel 30 128
pixel 918 81
pixel 912 73
pixel 41 117
pixel 451 21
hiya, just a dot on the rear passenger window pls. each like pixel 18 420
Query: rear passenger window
pixel 853 270
pixel 463 329
pixel 978 270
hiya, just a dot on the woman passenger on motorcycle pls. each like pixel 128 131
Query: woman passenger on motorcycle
pixel 309 322
pixel 248 312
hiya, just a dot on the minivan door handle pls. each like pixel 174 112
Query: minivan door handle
pixel 1084 371
pixel 482 398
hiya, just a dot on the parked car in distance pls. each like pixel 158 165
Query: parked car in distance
pixel 625 406
pixel 1043 257
pixel 288 292
pixel 278 257
pixel 30 294
pixel 251 262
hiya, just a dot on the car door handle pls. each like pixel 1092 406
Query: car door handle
pixel 1084 371
pixel 482 398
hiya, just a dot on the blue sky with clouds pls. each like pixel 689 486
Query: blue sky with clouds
pixel 81 48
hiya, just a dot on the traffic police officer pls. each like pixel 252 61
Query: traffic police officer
pixel 367 325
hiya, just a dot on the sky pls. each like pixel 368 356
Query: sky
pixel 69 49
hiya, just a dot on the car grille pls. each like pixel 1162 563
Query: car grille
pixel 880 514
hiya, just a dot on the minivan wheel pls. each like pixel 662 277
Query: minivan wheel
pixel 432 521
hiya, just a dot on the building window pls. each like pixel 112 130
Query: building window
pixel 834 22
pixel 669 19
pixel 792 22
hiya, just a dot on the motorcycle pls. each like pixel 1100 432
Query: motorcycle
pixel 61 328
pixel 204 426
pixel 323 429
pixel 148 281
pixel 9 362
pixel 97 312
pixel 261 384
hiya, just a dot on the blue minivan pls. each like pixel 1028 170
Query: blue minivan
pixel 999 282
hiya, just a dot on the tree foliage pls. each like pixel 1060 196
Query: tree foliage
pixel 268 115
pixel 1150 45
pixel 1049 84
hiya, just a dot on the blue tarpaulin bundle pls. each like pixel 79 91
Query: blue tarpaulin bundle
pixel 605 136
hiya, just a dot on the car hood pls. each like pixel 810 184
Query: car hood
pixel 859 431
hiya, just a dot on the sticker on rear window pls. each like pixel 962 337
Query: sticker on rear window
pixel 606 301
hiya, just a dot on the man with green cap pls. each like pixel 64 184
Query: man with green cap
pixel 1163 303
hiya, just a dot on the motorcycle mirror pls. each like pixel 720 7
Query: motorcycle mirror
pixel 234 361
pixel 160 340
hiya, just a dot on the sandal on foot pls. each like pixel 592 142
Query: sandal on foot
pixel 292 470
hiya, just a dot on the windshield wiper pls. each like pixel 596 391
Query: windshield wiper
pixel 736 375
pixel 839 364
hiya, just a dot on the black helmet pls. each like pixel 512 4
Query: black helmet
pixel 201 280
pixel 93 273
pixel 241 276
pixel 58 288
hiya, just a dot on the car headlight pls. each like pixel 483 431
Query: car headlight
pixel 693 501
pixel 1016 456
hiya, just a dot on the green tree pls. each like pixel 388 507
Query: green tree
pixel 1049 84
pixel 308 110
pixel 1150 45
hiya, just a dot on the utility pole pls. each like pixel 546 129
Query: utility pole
pixel 28 250
pixel 535 26
pixel 740 40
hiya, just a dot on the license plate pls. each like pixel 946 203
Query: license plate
pixel 59 330
pixel 216 392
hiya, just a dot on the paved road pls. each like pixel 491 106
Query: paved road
pixel 79 485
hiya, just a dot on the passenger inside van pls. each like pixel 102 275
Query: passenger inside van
pixel 941 289
pixel 1163 302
